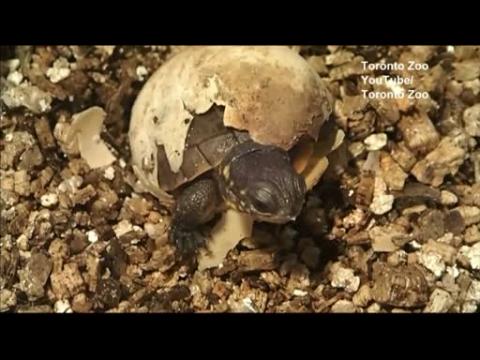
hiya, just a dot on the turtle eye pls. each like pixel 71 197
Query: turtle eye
pixel 264 201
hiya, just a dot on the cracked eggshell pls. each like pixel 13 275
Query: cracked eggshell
pixel 232 227
pixel 310 158
pixel 270 91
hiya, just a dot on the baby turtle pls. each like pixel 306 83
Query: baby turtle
pixel 213 126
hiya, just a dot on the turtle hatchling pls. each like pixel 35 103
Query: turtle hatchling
pixel 212 129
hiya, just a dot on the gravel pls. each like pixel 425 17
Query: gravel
pixel 394 227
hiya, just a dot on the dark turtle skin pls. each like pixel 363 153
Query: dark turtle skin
pixel 253 178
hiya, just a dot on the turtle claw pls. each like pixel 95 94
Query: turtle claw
pixel 186 241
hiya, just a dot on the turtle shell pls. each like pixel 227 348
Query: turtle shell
pixel 208 141
pixel 178 129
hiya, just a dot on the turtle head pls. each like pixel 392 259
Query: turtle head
pixel 261 181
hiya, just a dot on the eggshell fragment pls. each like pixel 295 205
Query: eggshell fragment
pixel 226 234
pixel 87 126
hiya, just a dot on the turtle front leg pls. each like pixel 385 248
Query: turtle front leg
pixel 196 205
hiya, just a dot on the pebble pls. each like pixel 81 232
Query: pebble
pixel 433 262
pixel 249 305
pixel 155 231
pixel 67 282
pixel 22 242
pixel 448 198
pixel 82 196
pixel 141 72
pixel 22 182
pixel 15 77
pixel 471 118
pixel 453 271
pixel 356 149
pixel 472 234
pixel 109 173
pixel 363 296
pixel 472 254
pixel 418 132
pixel 81 303
pixel 254 260
pixel 391 172
pixel 447 252
pixel 473 293
pixel 92 236
pixel 440 302
pixel 344 278
pixel 416 209
pixel 470 214
pixel 387 238
pixel 403 156
pixel 59 71
pixel 29 96
pixel 122 228
pixel 446 239
pixel 374 308
pixel 49 200
pixel 375 141
pixel 7 300
pixel 399 286
pixel 300 293
pixel 62 306
pixel 71 185
pixel 343 306
pixel 357 216
pixel 381 202
pixel 469 307
pixel 398 257
pixel 445 159
pixel 35 275
pixel 36 309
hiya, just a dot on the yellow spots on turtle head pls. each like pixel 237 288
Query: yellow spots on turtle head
pixel 226 172
pixel 235 203
pixel 242 205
